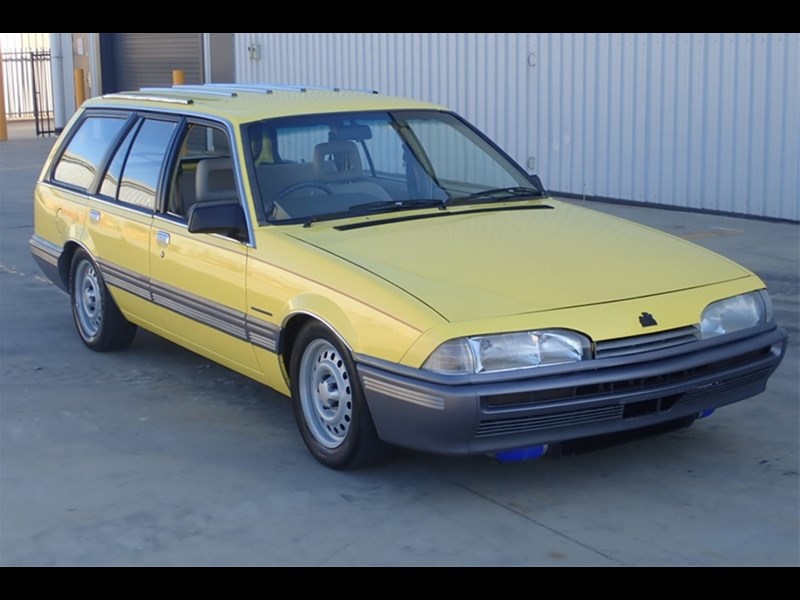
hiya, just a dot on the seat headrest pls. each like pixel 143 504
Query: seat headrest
pixel 338 160
pixel 215 180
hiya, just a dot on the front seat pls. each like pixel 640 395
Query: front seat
pixel 215 180
pixel 337 164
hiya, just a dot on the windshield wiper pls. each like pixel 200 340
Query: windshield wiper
pixel 392 205
pixel 368 208
pixel 507 193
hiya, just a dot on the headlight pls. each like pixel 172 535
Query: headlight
pixel 733 314
pixel 489 353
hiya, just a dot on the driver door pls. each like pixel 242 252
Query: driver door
pixel 198 278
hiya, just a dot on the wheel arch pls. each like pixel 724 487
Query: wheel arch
pixel 65 260
pixel 340 327
pixel 100 324
pixel 329 404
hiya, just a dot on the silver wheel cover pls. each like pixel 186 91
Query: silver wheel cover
pixel 88 299
pixel 326 394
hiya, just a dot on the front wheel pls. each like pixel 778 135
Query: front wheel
pixel 101 325
pixel 329 404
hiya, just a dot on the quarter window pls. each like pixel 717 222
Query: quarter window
pixel 111 178
pixel 80 162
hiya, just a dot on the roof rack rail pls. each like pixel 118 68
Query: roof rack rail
pixel 144 96
pixel 225 90
pixel 268 88
pixel 193 88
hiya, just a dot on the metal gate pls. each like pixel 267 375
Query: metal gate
pixel 29 88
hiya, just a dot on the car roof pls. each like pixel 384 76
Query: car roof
pixel 243 103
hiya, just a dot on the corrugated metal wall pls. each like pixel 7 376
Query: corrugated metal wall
pixel 695 120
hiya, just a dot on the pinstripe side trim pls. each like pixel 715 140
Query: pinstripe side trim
pixel 233 322
pixel 262 334
pixel 199 309
pixel 136 284
pixel 400 393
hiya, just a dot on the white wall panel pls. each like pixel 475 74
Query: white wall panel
pixel 697 120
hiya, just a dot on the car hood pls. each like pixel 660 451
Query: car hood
pixel 476 263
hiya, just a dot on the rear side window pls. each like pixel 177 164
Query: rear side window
pixel 110 183
pixel 82 158
pixel 139 183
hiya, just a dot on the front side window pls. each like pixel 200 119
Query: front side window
pixel 79 164
pixel 339 165
pixel 204 170
pixel 140 175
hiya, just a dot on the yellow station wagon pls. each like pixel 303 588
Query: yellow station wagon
pixel 393 271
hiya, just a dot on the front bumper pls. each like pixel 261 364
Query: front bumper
pixel 423 411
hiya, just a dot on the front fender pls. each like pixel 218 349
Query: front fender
pixel 363 328
pixel 326 311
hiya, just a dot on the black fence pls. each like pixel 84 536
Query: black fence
pixel 29 88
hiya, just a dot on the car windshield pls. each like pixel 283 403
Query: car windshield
pixel 326 166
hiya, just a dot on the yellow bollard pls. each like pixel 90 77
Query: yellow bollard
pixel 178 77
pixel 80 88
pixel 3 123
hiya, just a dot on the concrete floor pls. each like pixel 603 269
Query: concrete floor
pixel 154 456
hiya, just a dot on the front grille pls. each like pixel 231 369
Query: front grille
pixel 638 384
pixel 646 343
pixel 543 422
pixel 727 385
pixel 497 421
pixel 583 416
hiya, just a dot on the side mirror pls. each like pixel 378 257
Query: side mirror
pixel 224 217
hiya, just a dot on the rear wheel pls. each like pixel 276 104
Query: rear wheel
pixel 329 404
pixel 97 318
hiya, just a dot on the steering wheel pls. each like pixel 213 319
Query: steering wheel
pixel 300 186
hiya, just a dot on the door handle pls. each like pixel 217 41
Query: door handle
pixel 162 237
pixel 94 216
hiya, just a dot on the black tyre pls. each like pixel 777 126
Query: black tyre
pixel 329 405
pixel 97 318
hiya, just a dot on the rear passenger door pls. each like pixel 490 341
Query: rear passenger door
pixel 198 278
pixel 120 200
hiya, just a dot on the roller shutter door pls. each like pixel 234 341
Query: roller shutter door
pixel 147 59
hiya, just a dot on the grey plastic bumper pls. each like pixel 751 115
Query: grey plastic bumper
pixel 418 410
pixel 47 257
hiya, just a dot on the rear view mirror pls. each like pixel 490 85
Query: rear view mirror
pixel 354 133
